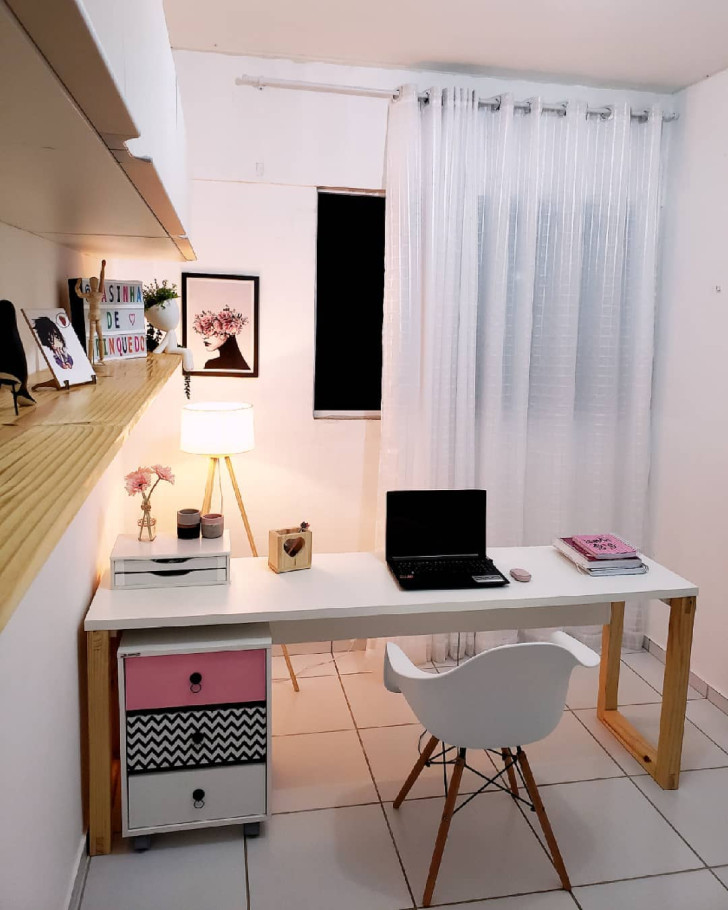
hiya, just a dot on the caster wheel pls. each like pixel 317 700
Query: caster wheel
pixel 251 829
pixel 142 843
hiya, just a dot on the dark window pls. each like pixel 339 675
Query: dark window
pixel 349 297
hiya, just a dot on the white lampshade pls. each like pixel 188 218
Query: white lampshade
pixel 217 428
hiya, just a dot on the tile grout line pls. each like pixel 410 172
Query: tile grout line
pixel 499 897
pixel 376 789
pixel 717 877
pixel 668 822
pixel 645 680
pixel 601 745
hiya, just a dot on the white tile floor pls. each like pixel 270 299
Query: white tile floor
pixel 343 746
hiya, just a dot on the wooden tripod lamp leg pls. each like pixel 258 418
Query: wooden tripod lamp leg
pixel 207 501
pixel 291 671
pixel 254 551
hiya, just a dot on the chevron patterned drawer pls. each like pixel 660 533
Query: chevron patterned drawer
pixel 195 737
pixel 208 678
pixel 188 797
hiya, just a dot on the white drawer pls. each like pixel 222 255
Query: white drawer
pixel 177 578
pixel 166 798
pixel 170 563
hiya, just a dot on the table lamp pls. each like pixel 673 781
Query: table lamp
pixel 220 429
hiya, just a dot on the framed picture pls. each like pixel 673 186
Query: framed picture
pixel 220 323
pixel 60 346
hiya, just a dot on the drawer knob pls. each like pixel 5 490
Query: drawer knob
pixel 197 737
pixel 198 797
pixel 195 682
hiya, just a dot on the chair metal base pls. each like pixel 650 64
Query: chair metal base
pixel 512 765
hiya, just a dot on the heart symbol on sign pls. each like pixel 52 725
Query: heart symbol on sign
pixel 294 545
pixel 132 318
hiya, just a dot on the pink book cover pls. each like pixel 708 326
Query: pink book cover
pixel 603 546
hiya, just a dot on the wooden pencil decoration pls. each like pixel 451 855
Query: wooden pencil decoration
pixel 290 548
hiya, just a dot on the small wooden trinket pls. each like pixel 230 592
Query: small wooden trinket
pixel 290 548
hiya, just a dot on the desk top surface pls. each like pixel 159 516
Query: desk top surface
pixel 341 585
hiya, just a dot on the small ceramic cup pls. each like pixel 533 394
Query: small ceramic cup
pixel 212 524
pixel 188 523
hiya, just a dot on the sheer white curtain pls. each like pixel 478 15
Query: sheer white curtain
pixel 519 315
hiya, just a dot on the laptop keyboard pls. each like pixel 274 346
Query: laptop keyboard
pixel 457 566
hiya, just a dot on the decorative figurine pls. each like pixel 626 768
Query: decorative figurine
pixel 13 365
pixel 162 311
pixel 94 297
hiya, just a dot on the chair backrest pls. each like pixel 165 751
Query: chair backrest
pixel 508 696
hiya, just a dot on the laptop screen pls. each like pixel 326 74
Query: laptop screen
pixel 435 523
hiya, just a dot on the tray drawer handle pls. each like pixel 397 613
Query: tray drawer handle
pixel 195 682
pixel 197 737
pixel 171 574
pixel 198 798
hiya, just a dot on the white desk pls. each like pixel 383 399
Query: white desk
pixel 353 595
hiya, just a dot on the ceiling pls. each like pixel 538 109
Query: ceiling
pixel 659 44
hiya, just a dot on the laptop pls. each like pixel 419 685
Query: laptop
pixel 436 539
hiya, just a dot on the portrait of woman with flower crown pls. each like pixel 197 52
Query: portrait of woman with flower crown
pixel 220 316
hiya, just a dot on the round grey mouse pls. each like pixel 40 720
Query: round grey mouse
pixel 520 574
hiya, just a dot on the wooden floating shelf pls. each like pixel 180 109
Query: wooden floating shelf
pixel 56 453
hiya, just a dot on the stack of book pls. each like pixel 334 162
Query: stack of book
pixel 601 554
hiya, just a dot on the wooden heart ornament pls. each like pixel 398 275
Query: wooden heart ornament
pixel 293 546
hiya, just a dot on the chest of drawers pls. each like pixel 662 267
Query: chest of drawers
pixel 195 727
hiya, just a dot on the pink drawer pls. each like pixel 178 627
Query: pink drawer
pixel 178 680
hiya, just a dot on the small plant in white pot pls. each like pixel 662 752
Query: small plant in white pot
pixel 161 310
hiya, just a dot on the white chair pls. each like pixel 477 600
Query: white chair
pixel 499 700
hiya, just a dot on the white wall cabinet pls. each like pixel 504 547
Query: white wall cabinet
pixel 97 158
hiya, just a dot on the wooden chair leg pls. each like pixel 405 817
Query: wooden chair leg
pixel 291 671
pixel 548 833
pixel 416 771
pixel 447 813
pixel 508 759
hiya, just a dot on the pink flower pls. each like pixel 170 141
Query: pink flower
pixel 163 473
pixel 226 322
pixel 138 481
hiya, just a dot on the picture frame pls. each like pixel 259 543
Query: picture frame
pixel 220 323
pixel 60 346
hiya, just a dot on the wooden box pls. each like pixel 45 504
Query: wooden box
pixel 289 549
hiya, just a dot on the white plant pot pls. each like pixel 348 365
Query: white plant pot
pixel 163 316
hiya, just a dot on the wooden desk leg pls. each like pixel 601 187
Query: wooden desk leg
pixel 99 742
pixel 675 691
pixel 663 762
pixel 610 662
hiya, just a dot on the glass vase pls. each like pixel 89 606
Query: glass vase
pixel 147 524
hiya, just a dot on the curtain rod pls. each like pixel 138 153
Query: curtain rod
pixel 492 103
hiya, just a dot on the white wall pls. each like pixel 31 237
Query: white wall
pixel 40 756
pixel 256 158
pixel 690 486
pixel 42 703
pixel 33 275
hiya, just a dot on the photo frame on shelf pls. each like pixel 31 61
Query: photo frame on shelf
pixel 60 347
pixel 220 323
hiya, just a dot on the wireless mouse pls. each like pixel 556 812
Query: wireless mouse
pixel 520 574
